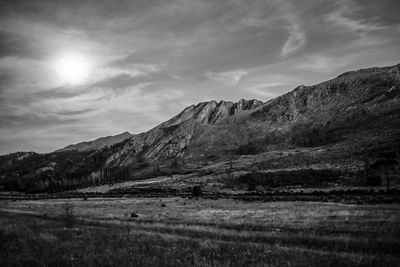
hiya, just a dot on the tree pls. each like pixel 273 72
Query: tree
pixel 175 164
pixel 196 191
pixel 248 149
pixel 157 170
pixel 371 179
pixel 387 162
pixel 251 187
pixel 69 214
pixel 230 169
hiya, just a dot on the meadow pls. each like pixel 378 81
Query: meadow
pixel 196 232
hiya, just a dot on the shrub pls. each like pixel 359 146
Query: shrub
pixel 174 164
pixel 247 149
pixel 196 191
pixel 251 187
pixel 286 178
pixel 373 180
pixel 308 136
pixel 134 215
pixel 69 215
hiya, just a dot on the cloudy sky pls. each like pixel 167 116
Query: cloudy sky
pixel 146 60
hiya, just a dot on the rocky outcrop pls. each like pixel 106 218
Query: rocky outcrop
pixel 172 138
pixel 212 112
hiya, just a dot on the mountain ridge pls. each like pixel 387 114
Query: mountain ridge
pixel 309 106
pixel 206 112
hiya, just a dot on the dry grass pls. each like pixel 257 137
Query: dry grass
pixel 199 232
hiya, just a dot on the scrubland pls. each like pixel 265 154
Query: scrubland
pixel 197 232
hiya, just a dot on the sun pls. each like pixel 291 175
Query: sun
pixel 72 69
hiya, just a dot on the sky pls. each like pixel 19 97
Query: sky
pixel 149 59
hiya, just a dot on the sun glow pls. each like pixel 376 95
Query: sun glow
pixel 72 69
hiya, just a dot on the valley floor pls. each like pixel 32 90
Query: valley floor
pixel 196 232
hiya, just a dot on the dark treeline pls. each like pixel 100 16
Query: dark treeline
pixel 69 170
pixel 32 172
pixel 54 182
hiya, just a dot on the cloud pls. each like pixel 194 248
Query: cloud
pixel 5 81
pixel 123 82
pixel 14 45
pixel 339 19
pixel 56 93
pixel 319 63
pixel 267 83
pixel 296 39
pixel 230 77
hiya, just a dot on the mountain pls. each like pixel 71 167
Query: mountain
pixel 358 104
pixel 173 137
pixel 98 143
pixel 344 124
pixel 12 158
pixel 212 112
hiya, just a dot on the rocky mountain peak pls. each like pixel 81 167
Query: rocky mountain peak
pixel 213 112
pixel 244 104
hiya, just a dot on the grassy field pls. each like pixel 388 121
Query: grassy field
pixel 197 232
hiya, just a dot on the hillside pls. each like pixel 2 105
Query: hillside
pixel 97 144
pixel 345 124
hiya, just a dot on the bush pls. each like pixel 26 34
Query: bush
pixel 247 149
pixel 174 164
pixel 308 136
pixel 196 191
pixel 286 178
pixel 69 215
pixel 373 180
pixel 251 187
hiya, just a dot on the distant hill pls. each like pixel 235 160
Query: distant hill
pixel 97 144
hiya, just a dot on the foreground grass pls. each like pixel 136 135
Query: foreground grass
pixel 38 241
